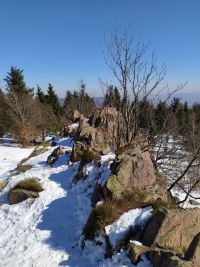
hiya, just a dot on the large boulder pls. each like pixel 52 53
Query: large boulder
pixel 134 169
pixel 173 230
pixel 18 195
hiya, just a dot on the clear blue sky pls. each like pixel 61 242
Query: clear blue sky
pixel 61 41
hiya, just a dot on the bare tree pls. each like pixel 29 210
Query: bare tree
pixel 137 76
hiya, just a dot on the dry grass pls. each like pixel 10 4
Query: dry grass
pixel 111 210
pixel 31 184
pixel 2 185
pixel 22 169
pixel 100 217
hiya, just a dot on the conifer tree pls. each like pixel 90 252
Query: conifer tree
pixel 15 84
pixel 112 98
pixel 41 96
pixel 52 100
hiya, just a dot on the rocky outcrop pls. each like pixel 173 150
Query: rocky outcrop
pixel 173 229
pixel 134 169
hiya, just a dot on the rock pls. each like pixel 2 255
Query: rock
pixel 135 251
pixel 87 134
pixel 134 169
pixel 75 116
pixel 163 258
pixel 78 151
pixel 55 155
pixel 109 122
pixel 172 229
pixel 18 195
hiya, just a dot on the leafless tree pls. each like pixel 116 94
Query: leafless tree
pixel 137 74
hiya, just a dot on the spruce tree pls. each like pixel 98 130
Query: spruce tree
pixel 15 84
pixel 52 100
pixel 41 96
pixel 112 98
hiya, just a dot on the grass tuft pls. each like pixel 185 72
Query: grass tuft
pixel 31 184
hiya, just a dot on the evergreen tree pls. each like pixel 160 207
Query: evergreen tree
pixel 78 100
pixel 41 96
pixel 15 84
pixel 175 104
pixel 146 115
pixel 161 115
pixel 112 98
pixel 4 116
pixel 52 100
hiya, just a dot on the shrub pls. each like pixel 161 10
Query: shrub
pixel 100 217
pixel 31 184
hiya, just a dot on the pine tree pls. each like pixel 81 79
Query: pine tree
pixel 15 84
pixel 78 100
pixel 52 100
pixel 112 98
pixel 4 117
pixel 41 96
pixel 161 115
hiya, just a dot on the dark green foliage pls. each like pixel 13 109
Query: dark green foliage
pixel 41 96
pixel 78 100
pixel 4 116
pixel 15 83
pixel 112 98
pixel 161 115
pixel 146 115
pixel 52 100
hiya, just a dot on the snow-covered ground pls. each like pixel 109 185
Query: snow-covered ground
pixel 10 157
pixel 132 218
pixel 48 230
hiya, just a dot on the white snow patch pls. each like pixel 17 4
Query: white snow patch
pixel 132 218
pixel 10 158
pixel 137 243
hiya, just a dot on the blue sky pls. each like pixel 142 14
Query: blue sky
pixel 61 41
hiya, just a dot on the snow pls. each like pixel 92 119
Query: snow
pixel 10 158
pixel 106 172
pixel 132 218
pixel 47 231
pixel 137 243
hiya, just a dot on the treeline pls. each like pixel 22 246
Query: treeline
pixel 26 114
pixel 173 117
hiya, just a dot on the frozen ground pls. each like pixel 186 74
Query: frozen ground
pixel 48 231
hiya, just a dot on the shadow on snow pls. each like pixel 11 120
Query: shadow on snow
pixel 65 218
